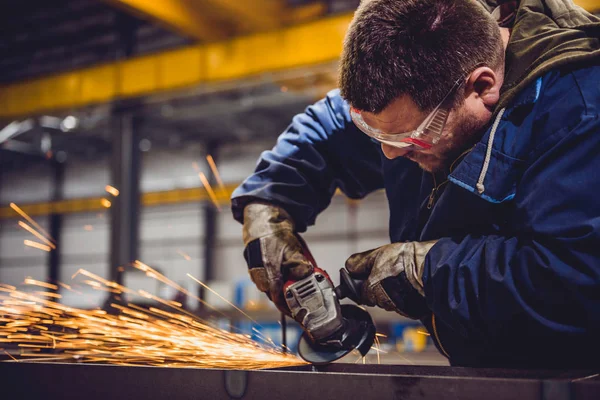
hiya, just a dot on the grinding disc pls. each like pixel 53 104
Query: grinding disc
pixel 361 340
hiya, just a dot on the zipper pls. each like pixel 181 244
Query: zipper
pixel 436 187
pixel 433 194
pixel 432 197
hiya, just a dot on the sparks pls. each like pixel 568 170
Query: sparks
pixel 36 245
pixel 221 297
pixel 112 190
pixel 23 214
pixel 209 190
pixel 30 281
pixel 167 336
pixel 215 171
pixel 36 234
pixel 105 203
pixel 184 255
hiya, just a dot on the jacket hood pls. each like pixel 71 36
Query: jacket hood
pixel 545 35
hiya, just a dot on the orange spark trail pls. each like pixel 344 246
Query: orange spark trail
pixel 164 335
pixel 221 297
pixel 30 281
pixel 184 255
pixel 36 245
pixel 209 190
pixel 215 171
pixel 30 220
pixel 36 234
pixel 112 190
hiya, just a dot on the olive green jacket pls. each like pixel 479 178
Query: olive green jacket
pixel 546 35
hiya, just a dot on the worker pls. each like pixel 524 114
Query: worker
pixel 481 122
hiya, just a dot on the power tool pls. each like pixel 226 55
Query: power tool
pixel 331 330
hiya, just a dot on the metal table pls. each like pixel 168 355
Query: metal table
pixel 40 380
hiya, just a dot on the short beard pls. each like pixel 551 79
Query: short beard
pixel 460 137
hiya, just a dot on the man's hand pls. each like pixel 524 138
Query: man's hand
pixel 273 251
pixel 393 277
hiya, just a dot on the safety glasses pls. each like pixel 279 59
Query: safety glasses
pixel 422 138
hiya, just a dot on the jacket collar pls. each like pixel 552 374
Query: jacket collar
pixel 501 170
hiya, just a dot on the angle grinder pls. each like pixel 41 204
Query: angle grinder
pixel 331 330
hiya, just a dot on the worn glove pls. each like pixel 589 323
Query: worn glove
pixel 393 277
pixel 273 252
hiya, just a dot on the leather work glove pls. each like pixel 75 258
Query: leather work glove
pixel 393 277
pixel 274 252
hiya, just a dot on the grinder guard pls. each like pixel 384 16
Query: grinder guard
pixel 331 331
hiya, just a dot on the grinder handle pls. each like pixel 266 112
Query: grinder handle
pixel 349 287
pixel 306 253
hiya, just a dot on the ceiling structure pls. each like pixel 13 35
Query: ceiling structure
pixel 43 38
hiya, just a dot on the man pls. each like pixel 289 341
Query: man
pixel 484 130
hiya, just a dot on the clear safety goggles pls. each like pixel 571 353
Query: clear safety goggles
pixel 422 138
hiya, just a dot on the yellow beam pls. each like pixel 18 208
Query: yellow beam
pixel 183 16
pixel 307 44
pixel 96 204
pixel 251 16
pixel 589 5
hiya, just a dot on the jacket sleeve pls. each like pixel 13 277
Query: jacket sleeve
pixel 543 278
pixel 319 152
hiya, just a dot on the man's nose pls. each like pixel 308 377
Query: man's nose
pixel 392 152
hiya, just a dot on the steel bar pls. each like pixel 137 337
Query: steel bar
pixel 125 171
pixel 56 222
pixel 77 381
pixel 210 224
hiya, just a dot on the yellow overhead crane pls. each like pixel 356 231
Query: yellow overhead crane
pixel 300 45
pixel 212 20
pixel 276 48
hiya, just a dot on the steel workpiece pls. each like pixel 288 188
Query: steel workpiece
pixel 30 379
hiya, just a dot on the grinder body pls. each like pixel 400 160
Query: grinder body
pixel 331 330
pixel 314 305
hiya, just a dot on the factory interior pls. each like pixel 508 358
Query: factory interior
pixel 125 127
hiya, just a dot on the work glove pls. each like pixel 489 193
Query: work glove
pixel 393 275
pixel 274 252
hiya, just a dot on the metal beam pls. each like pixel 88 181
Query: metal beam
pixel 213 20
pixel 150 199
pixel 257 15
pixel 92 204
pixel 54 256
pixel 183 16
pixel 125 171
pixel 35 379
pixel 302 45
pixel 592 6
pixel 210 225
pixel 125 208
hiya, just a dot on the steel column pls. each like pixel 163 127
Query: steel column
pixel 125 169
pixel 56 222
pixel 125 209
pixel 210 224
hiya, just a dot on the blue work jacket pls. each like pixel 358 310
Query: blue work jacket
pixel 514 279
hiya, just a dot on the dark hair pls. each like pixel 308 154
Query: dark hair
pixel 415 47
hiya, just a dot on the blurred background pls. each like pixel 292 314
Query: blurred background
pixel 133 95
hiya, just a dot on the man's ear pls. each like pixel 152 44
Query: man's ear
pixel 484 85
